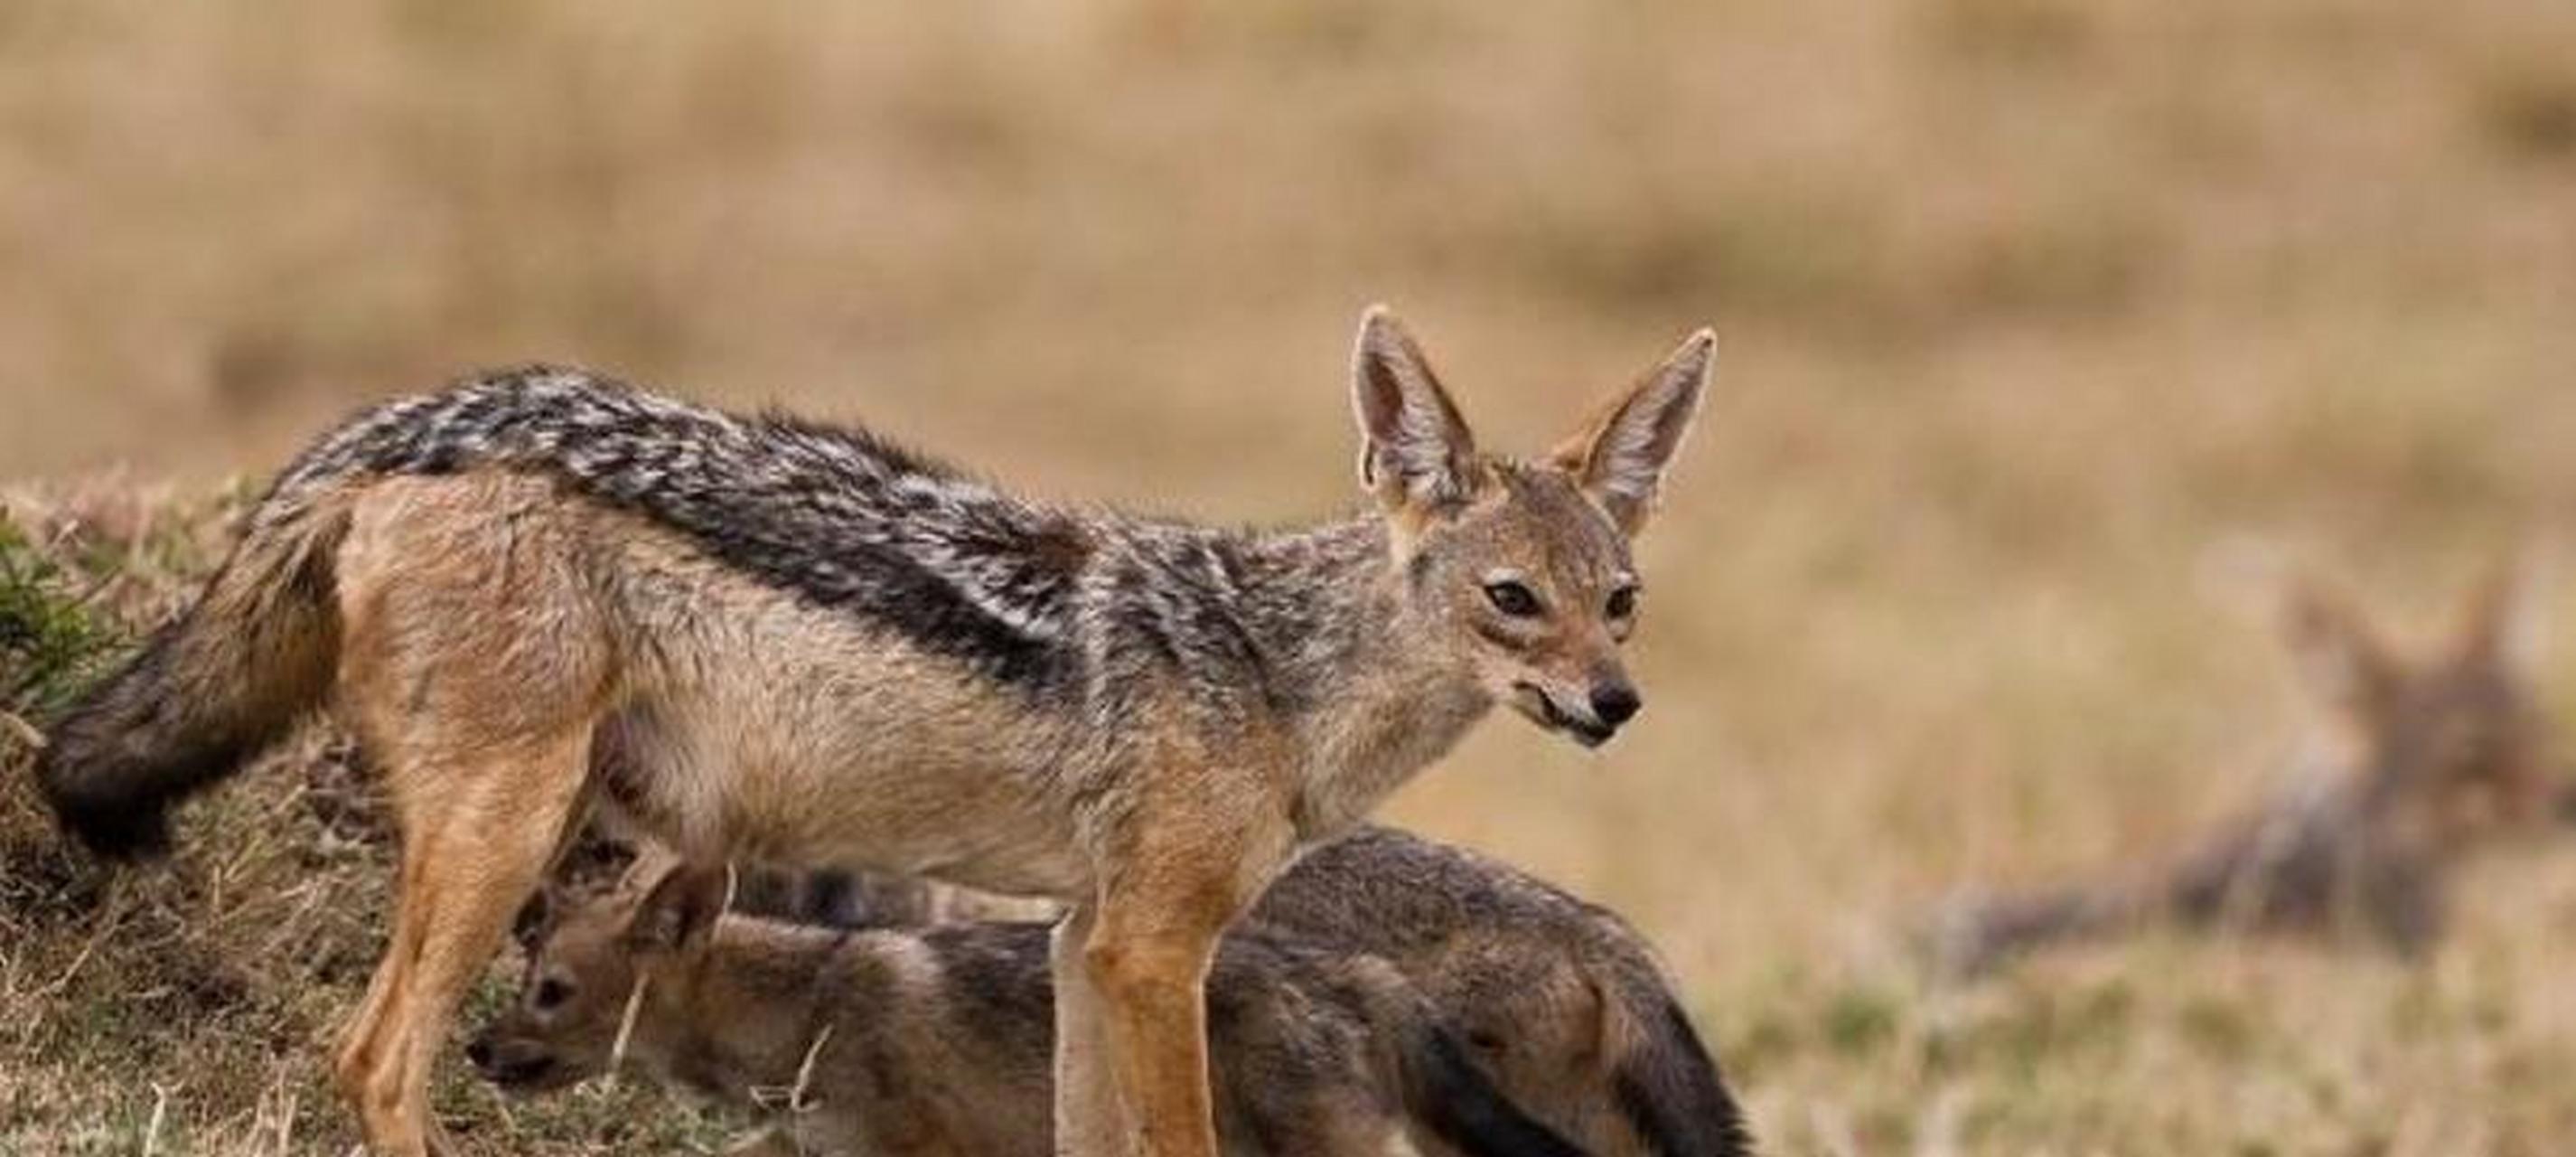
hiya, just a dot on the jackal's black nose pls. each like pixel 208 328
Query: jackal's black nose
pixel 1615 703
pixel 478 1053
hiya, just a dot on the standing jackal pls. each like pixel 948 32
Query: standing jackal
pixel 928 1041
pixel 777 641
pixel 2423 758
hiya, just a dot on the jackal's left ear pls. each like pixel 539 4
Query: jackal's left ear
pixel 2337 649
pixel 1415 453
pixel 1620 456
pixel 683 904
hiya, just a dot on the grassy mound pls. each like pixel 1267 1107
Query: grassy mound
pixel 191 1006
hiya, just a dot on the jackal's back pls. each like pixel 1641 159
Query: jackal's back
pixel 835 515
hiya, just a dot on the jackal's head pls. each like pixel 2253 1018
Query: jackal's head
pixel 1523 565
pixel 588 961
pixel 2448 738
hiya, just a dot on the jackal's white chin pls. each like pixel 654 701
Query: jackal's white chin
pixel 1535 706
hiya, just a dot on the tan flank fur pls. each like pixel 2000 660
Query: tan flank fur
pixel 799 643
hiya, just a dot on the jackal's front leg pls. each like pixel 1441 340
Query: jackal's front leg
pixel 1089 1119
pixel 1147 970
pixel 1191 862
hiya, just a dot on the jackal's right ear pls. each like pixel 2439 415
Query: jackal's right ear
pixel 2501 627
pixel 683 904
pixel 1415 452
pixel 1619 457
pixel 2337 649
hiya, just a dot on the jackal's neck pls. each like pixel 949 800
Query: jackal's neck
pixel 1374 690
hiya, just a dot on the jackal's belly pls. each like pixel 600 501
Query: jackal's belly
pixel 777 733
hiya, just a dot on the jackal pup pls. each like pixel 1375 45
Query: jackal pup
pixel 1559 1000
pixel 2422 759
pixel 797 643
pixel 929 1041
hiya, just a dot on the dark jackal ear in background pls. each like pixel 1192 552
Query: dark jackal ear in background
pixel 1416 455
pixel 2337 650
pixel 680 908
pixel 536 919
pixel 1620 456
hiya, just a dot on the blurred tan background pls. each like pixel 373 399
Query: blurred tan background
pixel 2034 314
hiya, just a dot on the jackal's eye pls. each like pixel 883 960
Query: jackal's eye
pixel 1623 603
pixel 1513 598
pixel 551 993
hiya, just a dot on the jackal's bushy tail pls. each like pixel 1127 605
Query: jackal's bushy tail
pixel 1446 1093
pixel 1666 1085
pixel 206 692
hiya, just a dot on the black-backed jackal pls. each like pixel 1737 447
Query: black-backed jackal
pixel 934 1040
pixel 797 643
pixel 2422 758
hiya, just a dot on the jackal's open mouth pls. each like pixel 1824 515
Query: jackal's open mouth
pixel 1541 709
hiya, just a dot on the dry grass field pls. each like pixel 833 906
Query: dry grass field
pixel 2038 320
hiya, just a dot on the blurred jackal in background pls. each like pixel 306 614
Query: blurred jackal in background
pixel 2418 759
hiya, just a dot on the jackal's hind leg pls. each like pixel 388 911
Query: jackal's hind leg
pixel 477 838
pixel 361 1048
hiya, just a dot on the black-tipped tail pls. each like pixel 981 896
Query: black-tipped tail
pixel 1672 1095
pixel 204 694
pixel 123 754
pixel 1446 1093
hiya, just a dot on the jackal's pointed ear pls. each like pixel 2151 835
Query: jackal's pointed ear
pixel 2501 627
pixel 2339 652
pixel 681 906
pixel 1415 451
pixel 1620 456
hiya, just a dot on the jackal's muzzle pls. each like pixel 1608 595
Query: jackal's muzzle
pixel 1591 724
pixel 519 1065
